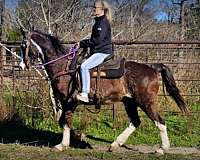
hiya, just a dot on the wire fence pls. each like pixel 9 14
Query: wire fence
pixel 182 57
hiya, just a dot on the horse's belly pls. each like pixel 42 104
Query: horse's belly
pixel 109 90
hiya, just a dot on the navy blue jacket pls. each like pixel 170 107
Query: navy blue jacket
pixel 100 41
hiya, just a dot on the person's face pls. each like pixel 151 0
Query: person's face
pixel 98 10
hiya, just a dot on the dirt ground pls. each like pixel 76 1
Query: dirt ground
pixel 136 152
pixel 146 149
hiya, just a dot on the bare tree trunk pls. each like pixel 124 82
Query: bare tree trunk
pixel 181 18
pixel 182 12
pixel 182 31
pixel 2 5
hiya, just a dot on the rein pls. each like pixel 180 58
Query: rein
pixel 70 55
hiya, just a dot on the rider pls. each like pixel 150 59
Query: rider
pixel 99 44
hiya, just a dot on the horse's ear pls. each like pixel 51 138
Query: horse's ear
pixel 32 28
pixel 23 33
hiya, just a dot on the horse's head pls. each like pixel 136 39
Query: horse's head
pixel 29 54
pixel 46 48
pixel 25 49
pixel 35 47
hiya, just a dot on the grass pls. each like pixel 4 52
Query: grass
pixel 102 129
pixel 38 124
pixel 37 127
pixel 182 130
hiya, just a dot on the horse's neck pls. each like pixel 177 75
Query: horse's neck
pixel 58 66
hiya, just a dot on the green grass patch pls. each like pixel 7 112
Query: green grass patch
pixel 99 128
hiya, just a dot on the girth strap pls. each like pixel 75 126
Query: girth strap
pixel 97 94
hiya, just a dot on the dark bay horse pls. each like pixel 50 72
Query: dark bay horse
pixel 138 87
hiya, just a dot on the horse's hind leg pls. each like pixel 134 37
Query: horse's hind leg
pixel 160 123
pixel 131 109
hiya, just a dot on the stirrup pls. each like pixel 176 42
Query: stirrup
pixel 81 98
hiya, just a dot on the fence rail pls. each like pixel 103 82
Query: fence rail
pixel 118 42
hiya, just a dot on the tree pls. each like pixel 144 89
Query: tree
pixel 56 17
pixel 133 17
pixel 2 6
pixel 193 23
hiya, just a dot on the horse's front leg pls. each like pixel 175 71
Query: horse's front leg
pixel 67 124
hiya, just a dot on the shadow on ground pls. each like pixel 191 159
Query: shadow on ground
pixel 98 139
pixel 15 133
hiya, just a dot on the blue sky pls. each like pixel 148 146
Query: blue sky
pixel 11 3
pixel 160 16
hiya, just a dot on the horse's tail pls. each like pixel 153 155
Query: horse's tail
pixel 170 84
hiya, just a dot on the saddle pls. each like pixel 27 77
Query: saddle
pixel 109 69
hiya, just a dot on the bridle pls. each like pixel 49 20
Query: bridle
pixel 69 55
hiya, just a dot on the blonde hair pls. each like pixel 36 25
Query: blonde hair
pixel 107 9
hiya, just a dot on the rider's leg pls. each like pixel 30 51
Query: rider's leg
pixel 91 62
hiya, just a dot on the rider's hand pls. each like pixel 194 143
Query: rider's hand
pixel 77 45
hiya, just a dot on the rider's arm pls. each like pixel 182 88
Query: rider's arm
pixel 98 35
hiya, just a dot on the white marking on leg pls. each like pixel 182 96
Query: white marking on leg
pixel 121 139
pixel 66 136
pixel 128 95
pixel 65 140
pixel 163 134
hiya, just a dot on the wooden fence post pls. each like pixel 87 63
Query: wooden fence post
pixel 113 115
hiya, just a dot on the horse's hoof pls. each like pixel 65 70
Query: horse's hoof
pixel 54 149
pixel 59 148
pixel 114 146
pixel 110 149
pixel 160 151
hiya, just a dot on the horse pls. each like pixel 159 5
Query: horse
pixel 138 87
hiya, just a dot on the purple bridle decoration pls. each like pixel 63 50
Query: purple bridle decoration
pixel 70 55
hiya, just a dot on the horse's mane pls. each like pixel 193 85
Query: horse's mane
pixel 57 44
